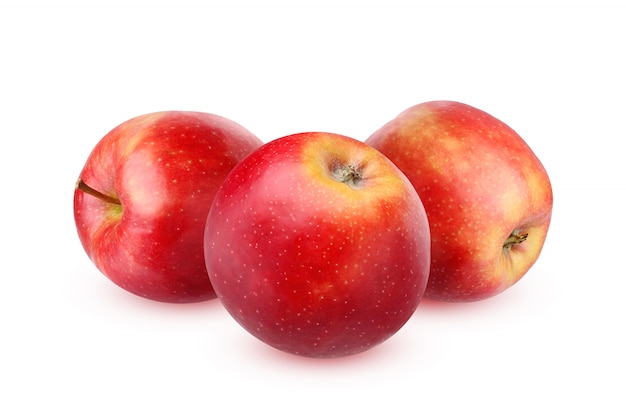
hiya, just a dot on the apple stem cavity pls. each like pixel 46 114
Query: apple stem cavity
pixel 82 186
pixel 515 238
pixel 347 174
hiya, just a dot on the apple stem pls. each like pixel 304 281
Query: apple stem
pixel 347 174
pixel 80 185
pixel 514 238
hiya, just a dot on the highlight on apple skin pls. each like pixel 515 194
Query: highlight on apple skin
pixel 318 245
pixel 487 195
pixel 143 195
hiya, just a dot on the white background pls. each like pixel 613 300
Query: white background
pixel 74 344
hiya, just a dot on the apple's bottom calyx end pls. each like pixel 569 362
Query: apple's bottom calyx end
pixel 347 174
pixel 514 238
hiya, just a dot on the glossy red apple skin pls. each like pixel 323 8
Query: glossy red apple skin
pixel 312 265
pixel 164 168
pixel 488 197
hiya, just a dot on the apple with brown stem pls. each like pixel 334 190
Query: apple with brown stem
pixel 142 198
pixel 487 195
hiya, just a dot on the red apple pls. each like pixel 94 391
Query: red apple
pixel 487 196
pixel 142 199
pixel 318 245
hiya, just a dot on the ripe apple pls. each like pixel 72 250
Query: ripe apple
pixel 487 195
pixel 318 245
pixel 141 201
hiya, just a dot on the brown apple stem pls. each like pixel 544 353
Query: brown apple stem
pixel 80 185
pixel 347 174
pixel 514 238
